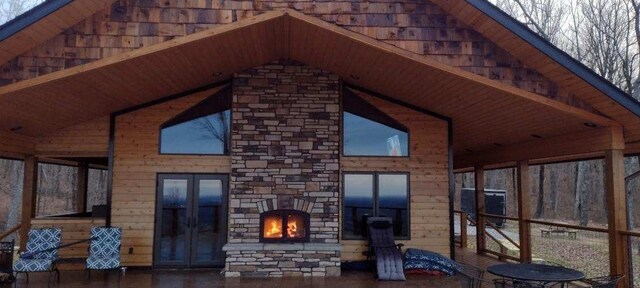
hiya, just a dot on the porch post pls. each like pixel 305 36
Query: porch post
pixel 82 186
pixel 480 209
pixel 524 211
pixel 29 193
pixel 616 213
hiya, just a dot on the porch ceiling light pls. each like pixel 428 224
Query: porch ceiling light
pixel 16 128
pixel 590 124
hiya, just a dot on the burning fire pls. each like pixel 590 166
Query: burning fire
pixel 275 231
pixel 292 230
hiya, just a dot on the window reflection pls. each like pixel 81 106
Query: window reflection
pixel 204 135
pixel 364 137
pixel 373 194
pixel 358 204
pixel 392 201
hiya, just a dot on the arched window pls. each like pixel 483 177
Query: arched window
pixel 367 131
pixel 203 129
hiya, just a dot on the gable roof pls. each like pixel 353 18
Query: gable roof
pixel 493 112
pixel 42 23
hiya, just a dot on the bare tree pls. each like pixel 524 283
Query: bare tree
pixel 10 9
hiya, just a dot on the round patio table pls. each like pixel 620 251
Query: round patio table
pixel 536 272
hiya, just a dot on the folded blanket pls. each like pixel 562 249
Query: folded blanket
pixel 428 260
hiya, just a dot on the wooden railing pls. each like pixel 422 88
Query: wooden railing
pixel 463 242
pixel 10 231
pixel 569 226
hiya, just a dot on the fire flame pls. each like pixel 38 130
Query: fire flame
pixel 275 231
pixel 292 230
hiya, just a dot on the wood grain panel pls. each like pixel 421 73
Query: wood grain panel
pixel 14 145
pixel 137 163
pixel 89 139
pixel 428 180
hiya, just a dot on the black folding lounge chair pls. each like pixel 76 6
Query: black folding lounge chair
pixel 387 252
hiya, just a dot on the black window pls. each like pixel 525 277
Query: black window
pixel 202 129
pixel 368 131
pixel 375 194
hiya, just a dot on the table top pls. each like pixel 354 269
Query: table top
pixel 536 272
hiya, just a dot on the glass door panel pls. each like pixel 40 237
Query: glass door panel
pixel 210 225
pixel 172 235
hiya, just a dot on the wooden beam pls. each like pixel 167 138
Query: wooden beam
pixel 29 194
pixel 580 143
pixel 82 187
pixel 524 211
pixel 480 210
pixel 616 212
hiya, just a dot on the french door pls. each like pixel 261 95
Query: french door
pixel 191 220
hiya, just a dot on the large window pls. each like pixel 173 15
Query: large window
pixel 368 131
pixel 375 194
pixel 202 129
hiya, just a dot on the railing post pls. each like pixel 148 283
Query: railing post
pixel 29 194
pixel 616 213
pixel 524 211
pixel 464 238
pixel 480 209
pixel 82 186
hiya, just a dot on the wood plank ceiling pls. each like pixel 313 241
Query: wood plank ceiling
pixel 52 21
pixel 485 113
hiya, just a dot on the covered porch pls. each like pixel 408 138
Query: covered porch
pixel 489 125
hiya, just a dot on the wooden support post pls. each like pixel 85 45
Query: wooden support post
pixel 480 208
pixel 616 213
pixel 29 194
pixel 464 237
pixel 524 211
pixel 82 186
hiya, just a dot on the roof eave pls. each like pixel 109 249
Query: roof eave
pixel 30 17
pixel 561 57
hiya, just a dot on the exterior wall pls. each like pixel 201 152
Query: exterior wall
pixel 418 26
pixel 427 166
pixel 285 150
pixel 89 139
pixel 136 164
pixel 73 229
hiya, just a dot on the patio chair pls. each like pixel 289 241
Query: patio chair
pixel 104 250
pixel 6 261
pixel 388 253
pixel 604 281
pixel 471 274
pixel 41 253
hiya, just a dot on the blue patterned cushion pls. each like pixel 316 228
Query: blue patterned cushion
pixel 101 263
pixel 42 244
pixel 33 265
pixel 104 250
pixel 427 260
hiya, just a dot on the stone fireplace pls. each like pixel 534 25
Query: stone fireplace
pixel 285 172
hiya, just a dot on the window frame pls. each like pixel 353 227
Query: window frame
pixel 376 203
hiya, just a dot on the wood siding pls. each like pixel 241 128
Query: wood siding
pixel 417 26
pixel 73 229
pixel 136 165
pixel 429 179
pixel 89 139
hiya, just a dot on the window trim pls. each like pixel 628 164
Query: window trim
pixel 376 203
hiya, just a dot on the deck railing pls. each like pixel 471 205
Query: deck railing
pixel 11 231
pixel 633 238
pixel 498 243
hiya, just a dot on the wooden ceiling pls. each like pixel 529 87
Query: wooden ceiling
pixel 43 23
pixel 485 113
